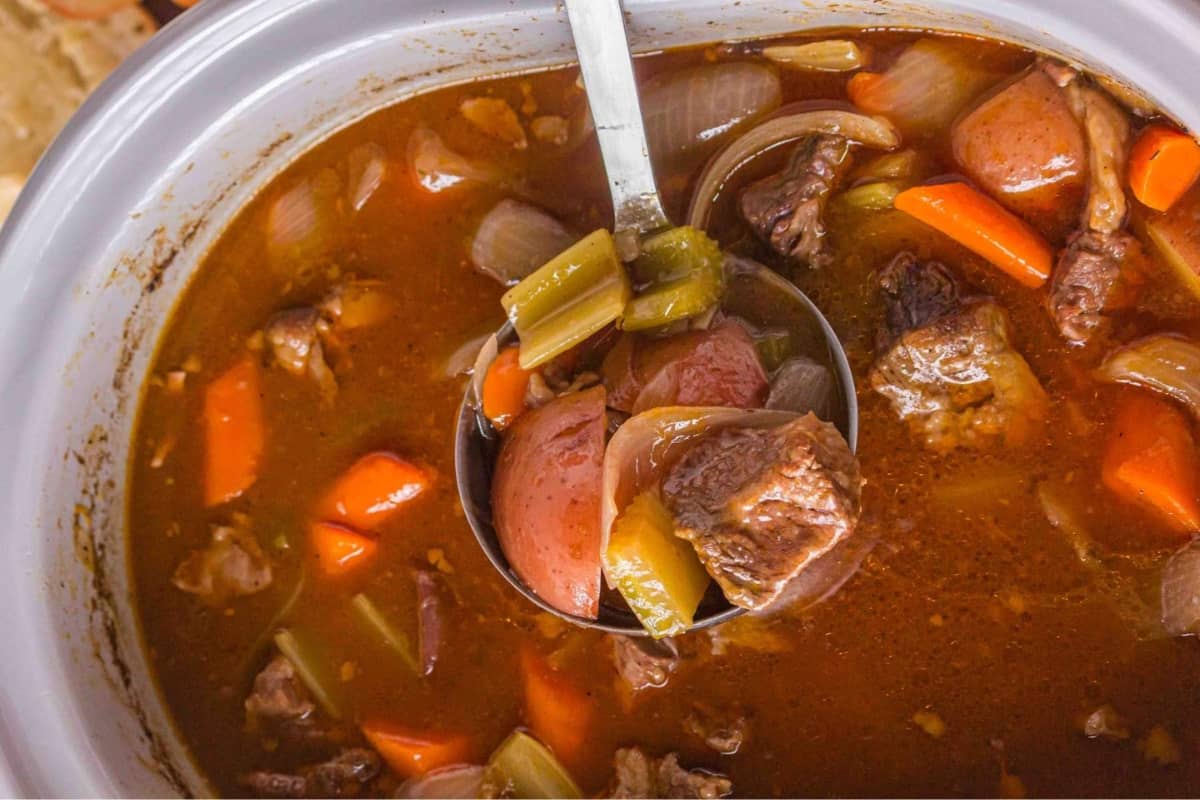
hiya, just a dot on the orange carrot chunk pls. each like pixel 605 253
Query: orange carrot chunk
pixel 372 490
pixel 983 226
pixel 558 712
pixel 1151 460
pixel 410 753
pixel 1163 165
pixel 340 550
pixel 504 388
pixel 233 432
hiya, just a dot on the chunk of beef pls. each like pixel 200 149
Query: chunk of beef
pixel 1096 274
pixel 949 368
pixel 759 505
pixel 1107 132
pixel 722 731
pixel 802 385
pixel 1024 146
pixel 639 775
pixel 785 209
pixel 344 775
pixel 294 339
pixel 231 566
pixel 280 704
pixel 644 663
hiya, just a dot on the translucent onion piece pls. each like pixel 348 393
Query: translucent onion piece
pixel 647 444
pixel 1181 591
pixel 367 167
pixel 487 354
pixel 874 132
pixel 460 780
pixel 302 223
pixel 691 108
pixel 801 385
pixel 292 218
pixel 514 239
pixel 831 55
pixel 437 168
pixel 1163 362
pixel 462 360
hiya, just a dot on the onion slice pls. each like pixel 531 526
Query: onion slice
pixel 514 239
pixel 1164 362
pixel 367 166
pixel 437 168
pixel 459 780
pixel 647 444
pixel 874 132
pixel 1181 591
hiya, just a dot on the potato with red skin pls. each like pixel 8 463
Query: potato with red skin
pixel 546 500
pixel 1024 147
pixel 715 367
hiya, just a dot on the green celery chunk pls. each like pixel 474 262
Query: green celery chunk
pixel 572 296
pixel 308 664
pixel 685 270
pixel 524 768
pixel 774 347
pixel 657 573
pixel 369 613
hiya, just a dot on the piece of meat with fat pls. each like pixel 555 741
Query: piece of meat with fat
pixel 643 663
pixel 344 775
pixel 760 504
pixel 294 339
pixel 278 696
pixel 947 364
pixel 786 209
pixel 722 731
pixel 232 565
pixel 638 775
pixel 1097 273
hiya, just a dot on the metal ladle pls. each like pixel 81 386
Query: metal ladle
pixel 604 59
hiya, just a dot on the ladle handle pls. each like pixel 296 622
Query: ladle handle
pixel 600 40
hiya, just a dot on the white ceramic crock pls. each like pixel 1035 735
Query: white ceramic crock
pixel 123 207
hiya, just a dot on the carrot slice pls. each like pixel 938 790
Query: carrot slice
pixel 233 432
pixel 504 388
pixel 983 226
pixel 1163 165
pixel 558 712
pixel 1151 460
pixel 410 753
pixel 339 549
pixel 373 489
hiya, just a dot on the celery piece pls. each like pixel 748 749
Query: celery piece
pixel 875 196
pixel 572 296
pixel 685 270
pixel 369 613
pixel 308 667
pixel 657 573
pixel 524 768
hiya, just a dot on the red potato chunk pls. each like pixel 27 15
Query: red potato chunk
pixel 716 367
pixel 546 500
pixel 1025 147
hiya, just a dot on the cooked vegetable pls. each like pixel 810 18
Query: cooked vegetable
pixel 875 196
pixel 309 665
pixel 460 780
pixel 437 168
pixel 369 613
pixel 339 549
pixel 874 132
pixel 429 619
pixel 373 489
pixel 1151 460
pixel 903 164
pixel 1163 165
pixel 1181 591
pixel 302 221
pixel 546 498
pixel 801 385
pixel 1108 143
pixel 558 712
pixel 925 88
pixel 410 752
pixel 357 304
pixel 572 296
pixel 514 239
pixel 89 9
pixel 983 226
pixel 523 768
pixel 684 269
pixel 1176 236
pixel 691 109
pixel 496 118
pixel 659 575
pixel 1163 362
pixel 367 167
pixel 831 55
pixel 234 434
pixel 504 388
pixel 1064 513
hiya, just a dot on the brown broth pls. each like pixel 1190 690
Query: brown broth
pixel 970 606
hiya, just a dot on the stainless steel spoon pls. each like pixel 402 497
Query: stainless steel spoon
pixel 604 58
